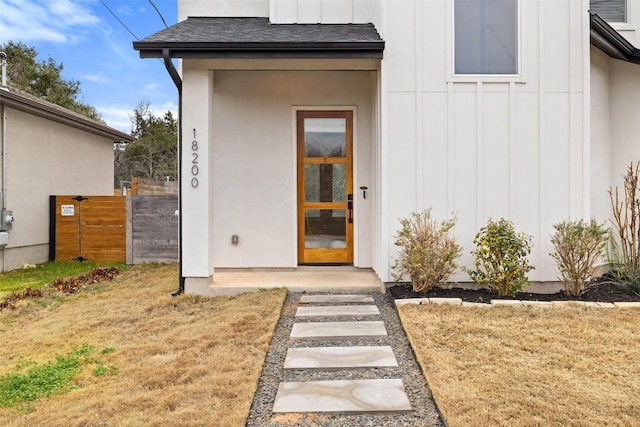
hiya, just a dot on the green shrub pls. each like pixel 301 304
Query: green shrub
pixel 626 276
pixel 428 250
pixel 578 245
pixel 500 257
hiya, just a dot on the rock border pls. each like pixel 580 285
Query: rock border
pixel 515 303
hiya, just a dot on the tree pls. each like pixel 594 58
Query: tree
pixel 43 79
pixel 154 153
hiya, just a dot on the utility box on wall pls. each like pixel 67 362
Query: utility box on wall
pixel 4 239
pixel 6 220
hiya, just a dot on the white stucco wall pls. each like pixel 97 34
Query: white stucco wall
pixel 47 158
pixel 255 159
pixel 624 125
pixel 244 122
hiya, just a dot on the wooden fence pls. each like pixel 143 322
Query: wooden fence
pixel 152 228
pixel 134 229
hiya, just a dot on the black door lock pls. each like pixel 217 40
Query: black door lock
pixel 364 191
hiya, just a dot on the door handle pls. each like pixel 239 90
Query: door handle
pixel 350 207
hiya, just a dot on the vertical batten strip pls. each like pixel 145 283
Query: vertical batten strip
pixel 418 119
pixel 450 151
pixel 272 11
pixel 383 188
pixel 450 112
pixel 586 111
pixel 479 155
pixel 572 134
pixel 541 134
pixel 512 150
pixel 375 237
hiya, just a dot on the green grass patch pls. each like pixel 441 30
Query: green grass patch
pixel 45 273
pixel 31 381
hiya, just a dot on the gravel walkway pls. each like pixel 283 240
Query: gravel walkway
pixel 424 411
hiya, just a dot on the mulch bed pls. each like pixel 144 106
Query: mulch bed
pixel 600 292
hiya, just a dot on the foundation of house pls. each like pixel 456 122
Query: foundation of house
pixel 339 279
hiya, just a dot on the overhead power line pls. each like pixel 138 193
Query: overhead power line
pixel 159 14
pixel 125 25
pixel 118 19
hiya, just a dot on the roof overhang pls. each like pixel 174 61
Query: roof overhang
pixel 608 40
pixel 257 38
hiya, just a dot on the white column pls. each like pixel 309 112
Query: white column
pixel 197 178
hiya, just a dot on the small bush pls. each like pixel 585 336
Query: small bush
pixel 625 276
pixel 500 257
pixel 629 281
pixel 624 254
pixel 577 247
pixel 428 250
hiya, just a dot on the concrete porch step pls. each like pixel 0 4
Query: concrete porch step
pixel 343 396
pixel 342 279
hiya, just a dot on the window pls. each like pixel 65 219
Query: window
pixel 610 10
pixel 486 36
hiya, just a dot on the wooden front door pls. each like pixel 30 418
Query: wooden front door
pixel 325 180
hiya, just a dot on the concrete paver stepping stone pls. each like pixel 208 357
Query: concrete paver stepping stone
pixel 340 357
pixel 338 329
pixel 335 298
pixel 337 310
pixel 350 396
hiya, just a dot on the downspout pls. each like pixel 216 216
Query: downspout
pixel 3 64
pixel 166 54
pixel 3 149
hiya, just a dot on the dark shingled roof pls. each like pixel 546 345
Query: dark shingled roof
pixel 210 37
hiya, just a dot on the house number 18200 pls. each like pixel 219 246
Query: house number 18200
pixel 194 162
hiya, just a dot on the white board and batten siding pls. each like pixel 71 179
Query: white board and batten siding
pixel 480 147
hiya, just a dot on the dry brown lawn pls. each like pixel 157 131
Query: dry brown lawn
pixel 181 360
pixel 505 366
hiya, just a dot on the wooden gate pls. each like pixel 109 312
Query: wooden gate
pixel 88 228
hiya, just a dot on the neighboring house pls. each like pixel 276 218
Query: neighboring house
pixel 298 115
pixel 46 150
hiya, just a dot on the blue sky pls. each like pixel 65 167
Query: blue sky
pixel 97 50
